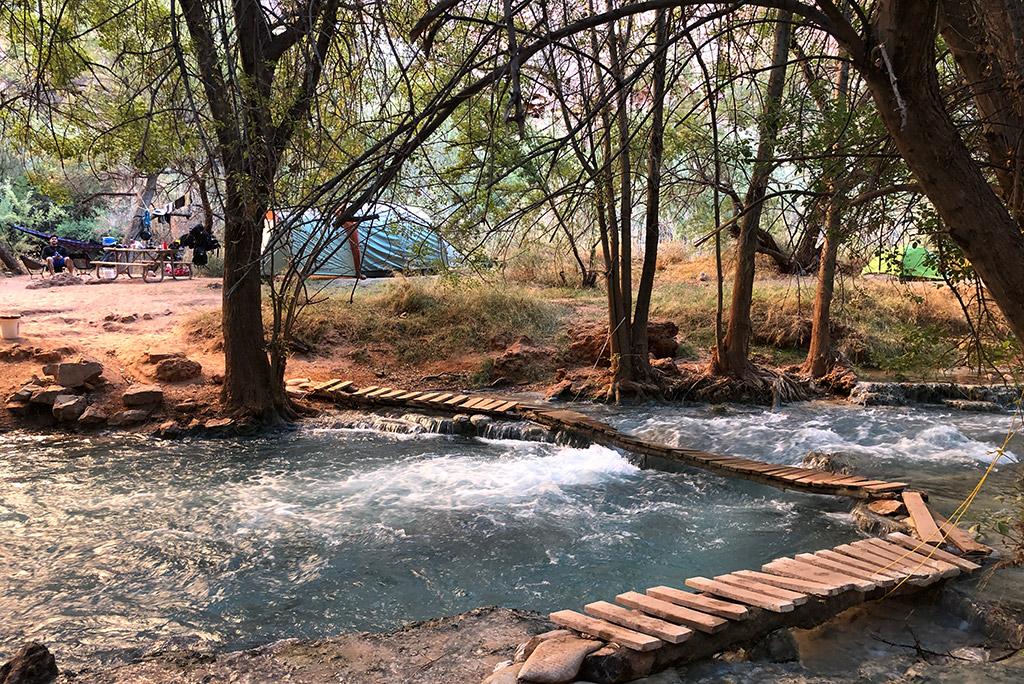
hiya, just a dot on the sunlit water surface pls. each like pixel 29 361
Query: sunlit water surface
pixel 114 546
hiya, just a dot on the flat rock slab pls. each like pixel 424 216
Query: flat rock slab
pixel 143 395
pixel 557 660
pixel 128 417
pixel 74 374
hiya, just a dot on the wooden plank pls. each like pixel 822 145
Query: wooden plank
pixel 839 565
pixel 701 602
pixel 394 394
pixel 507 406
pixel 751 598
pixel 790 567
pixel 757 587
pixel 802 585
pixel 888 487
pixel 909 542
pixel 886 577
pixel 456 400
pixel 489 404
pixel 849 481
pixel 473 401
pixel 881 564
pixel 441 398
pixel 816 477
pixel 426 397
pixel 366 390
pixel 638 622
pixel 958 537
pixel 377 393
pixel 348 387
pixel 920 574
pixel 921 517
pixel 605 630
pixel 702 622
pixel 946 570
pixel 408 396
pixel 324 386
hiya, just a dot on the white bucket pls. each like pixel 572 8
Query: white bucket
pixel 108 272
pixel 9 326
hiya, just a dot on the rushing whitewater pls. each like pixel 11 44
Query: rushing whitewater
pixel 118 545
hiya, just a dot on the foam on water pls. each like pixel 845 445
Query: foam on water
pixel 883 434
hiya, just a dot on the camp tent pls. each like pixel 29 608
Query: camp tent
pixel 385 239
pixel 915 262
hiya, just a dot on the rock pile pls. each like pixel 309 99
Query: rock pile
pixel 70 390
pixel 62 390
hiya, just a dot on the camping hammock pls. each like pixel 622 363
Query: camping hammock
pixel 69 243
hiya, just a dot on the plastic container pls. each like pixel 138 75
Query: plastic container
pixel 9 326
pixel 108 272
pixel 109 241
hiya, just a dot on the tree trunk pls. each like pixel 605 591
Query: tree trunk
pixel 928 140
pixel 732 359
pixel 10 261
pixel 819 356
pixel 652 232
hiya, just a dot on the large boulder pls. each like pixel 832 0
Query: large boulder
pixel 74 374
pixel 176 369
pixel 32 664
pixel 143 395
pixel 589 344
pixel 67 408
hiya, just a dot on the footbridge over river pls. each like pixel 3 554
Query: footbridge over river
pixel 646 631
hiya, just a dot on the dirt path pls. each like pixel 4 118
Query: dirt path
pixel 116 323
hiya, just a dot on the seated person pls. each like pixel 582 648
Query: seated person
pixel 56 258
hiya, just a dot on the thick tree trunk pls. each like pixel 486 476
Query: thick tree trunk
pixel 732 360
pixel 251 387
pixel 903 35
pixel 986 38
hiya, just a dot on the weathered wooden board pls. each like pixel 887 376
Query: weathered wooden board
pixel 751 598
pixel 770 590
pixel 702 602
pixel 921 518
pixel 672 612
pixel 638 622
pixel 958 537
pixel 802 585
pixel 605 630
pixel 908 542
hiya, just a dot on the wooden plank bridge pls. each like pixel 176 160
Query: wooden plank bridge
pixel 663 626
pixel 345 393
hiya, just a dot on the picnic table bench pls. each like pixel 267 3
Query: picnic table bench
pixel 149 262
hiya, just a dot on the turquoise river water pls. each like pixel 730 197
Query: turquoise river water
pixel 112 546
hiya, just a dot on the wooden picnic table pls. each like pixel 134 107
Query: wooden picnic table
pixel 150 262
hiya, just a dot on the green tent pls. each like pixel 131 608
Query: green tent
pixel 916 262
